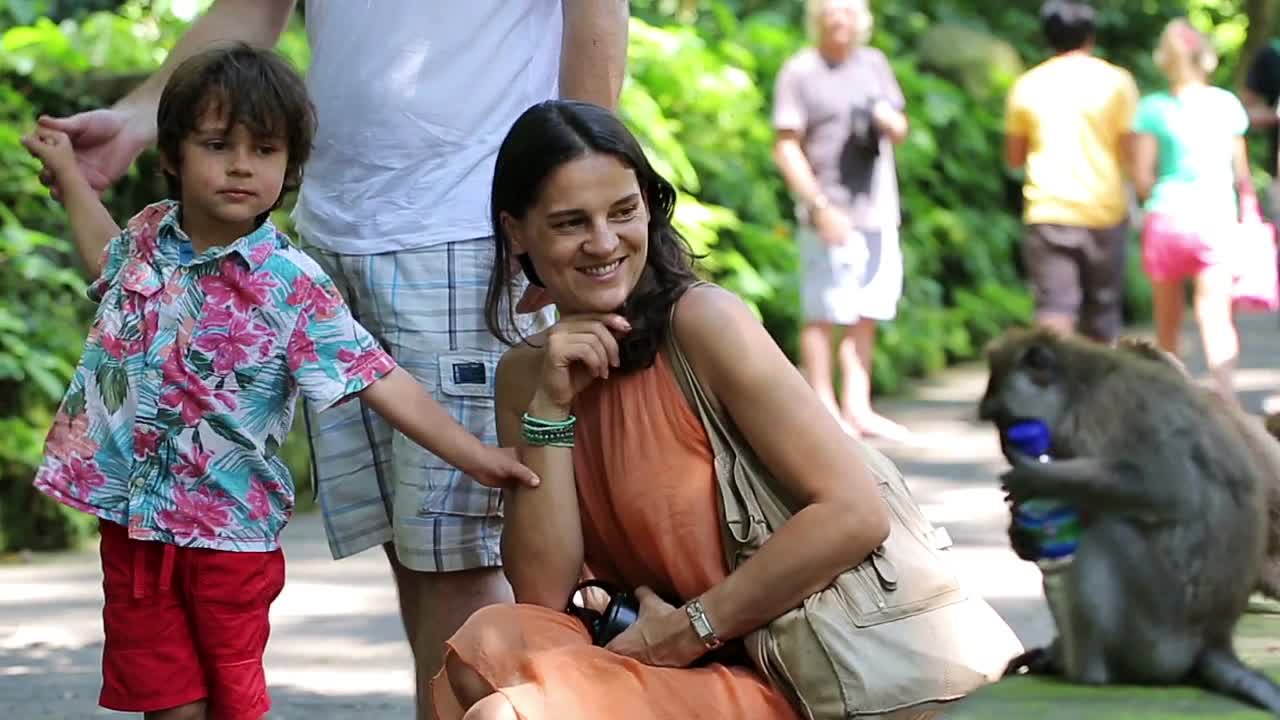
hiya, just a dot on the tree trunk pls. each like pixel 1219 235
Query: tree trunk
pixel 1262 16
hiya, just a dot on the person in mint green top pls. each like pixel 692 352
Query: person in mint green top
pixel 1191 170
pixel 1195 135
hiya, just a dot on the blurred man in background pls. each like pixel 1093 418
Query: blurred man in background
pixel 1068 123
pixel 838 112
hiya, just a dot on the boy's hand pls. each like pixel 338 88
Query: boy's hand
pixel 105 143
pixel 53 149
pixel 499 468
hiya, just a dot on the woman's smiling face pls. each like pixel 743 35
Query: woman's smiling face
pixel 587 235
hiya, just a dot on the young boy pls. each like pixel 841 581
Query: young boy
pixel 209 323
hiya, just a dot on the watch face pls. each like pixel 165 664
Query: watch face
pixel 701 625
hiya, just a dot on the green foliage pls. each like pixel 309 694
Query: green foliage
pixel 701 97
pixel 703 75
pixel 698 96
pixel 703 120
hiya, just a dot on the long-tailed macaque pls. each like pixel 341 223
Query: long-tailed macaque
pixel 1171 494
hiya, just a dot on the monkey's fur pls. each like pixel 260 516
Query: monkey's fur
pixel 1171 494
pixel 1265 449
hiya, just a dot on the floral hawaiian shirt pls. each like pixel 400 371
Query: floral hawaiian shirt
pixel 187 385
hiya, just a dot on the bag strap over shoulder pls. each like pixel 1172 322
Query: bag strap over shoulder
pixel 721 438
pixel 751 505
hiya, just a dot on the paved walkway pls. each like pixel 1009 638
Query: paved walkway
pixel 337 648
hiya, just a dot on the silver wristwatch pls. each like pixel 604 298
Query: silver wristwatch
pixel 701 625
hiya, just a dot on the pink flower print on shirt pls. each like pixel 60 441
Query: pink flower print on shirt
pixel 144 227
pixel 231 344
pixel 144 243
pixel 301 348
pixel 81 476
pixel 199 513
pixel 114 346
pixel 69 438
pixel 135 306
pixel 188 394
pixel 215 317
pixel 183 339
pixel 261 252
pixel 260 497
pixel 366 364
pixel 237 287
pixel 315 298
pixel 172 290
pixel 193 464
pixel 145 442
pixel 135 275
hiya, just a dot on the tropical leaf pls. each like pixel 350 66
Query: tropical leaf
pixel 74 403
pixel 168 418
pixel 113 384
pixel 199 362
pixel 244 378
pixel 221 425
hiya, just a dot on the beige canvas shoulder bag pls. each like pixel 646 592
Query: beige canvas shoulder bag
pixel 894 632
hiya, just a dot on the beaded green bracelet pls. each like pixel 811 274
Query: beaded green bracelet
pixel 552 433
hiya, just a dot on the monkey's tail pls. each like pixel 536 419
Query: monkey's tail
pixel 1219 669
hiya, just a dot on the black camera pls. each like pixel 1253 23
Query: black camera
pixel 621 612
pixel 864 134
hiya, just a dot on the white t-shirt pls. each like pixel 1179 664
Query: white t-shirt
pixel 413 98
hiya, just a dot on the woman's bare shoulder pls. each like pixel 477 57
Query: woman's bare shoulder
pixel 706 312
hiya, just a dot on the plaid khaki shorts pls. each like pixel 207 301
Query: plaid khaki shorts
pixel 374 485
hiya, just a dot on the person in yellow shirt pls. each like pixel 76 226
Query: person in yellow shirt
pixel 1068 123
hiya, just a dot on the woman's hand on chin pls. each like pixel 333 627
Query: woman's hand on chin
pixel 580 349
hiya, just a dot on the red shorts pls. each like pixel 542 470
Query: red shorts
pixel 185 624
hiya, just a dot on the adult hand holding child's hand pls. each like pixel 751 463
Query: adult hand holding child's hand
pixel 54 150
pixel 104 143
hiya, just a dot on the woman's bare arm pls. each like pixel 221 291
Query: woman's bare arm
pixel 542 531
pixel 843 516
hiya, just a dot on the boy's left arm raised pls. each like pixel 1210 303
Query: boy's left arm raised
pixel 92 226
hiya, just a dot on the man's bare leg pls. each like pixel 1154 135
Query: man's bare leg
pixel 857 349
pixel 433 606
pixel 815 365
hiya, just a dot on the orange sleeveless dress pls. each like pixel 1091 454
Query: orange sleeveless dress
pixel 647 495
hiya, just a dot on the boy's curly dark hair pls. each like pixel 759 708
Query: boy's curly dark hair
pixel 254 87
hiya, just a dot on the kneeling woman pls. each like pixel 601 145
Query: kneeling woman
pixel 576 202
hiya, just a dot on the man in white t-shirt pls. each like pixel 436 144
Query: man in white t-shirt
pixel 412 100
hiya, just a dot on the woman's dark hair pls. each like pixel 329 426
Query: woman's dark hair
pixel 1067 24
pixel 542 139
pixel 254 87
